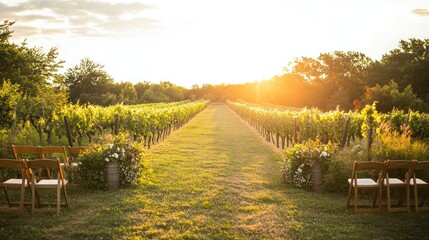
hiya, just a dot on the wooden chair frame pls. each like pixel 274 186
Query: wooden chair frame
pixel 18 149
pixel 417 183
pixel 389 183
pixel 73 152
pixel 58 184
pixel 356 183
pixel 14 183
pixel 52 150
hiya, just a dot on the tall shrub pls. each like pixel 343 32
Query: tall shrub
pixel 118 149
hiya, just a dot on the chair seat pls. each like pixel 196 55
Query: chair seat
pixel 418 182
pixel 49 182
pixel 364 182
pixel 394 181
pixel 15 181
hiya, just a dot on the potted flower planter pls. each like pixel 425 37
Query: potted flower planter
pixel 113 177
pixel 316 177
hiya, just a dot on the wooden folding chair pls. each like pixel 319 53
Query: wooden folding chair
pixel 422 184
pixel 403 182
pixel 31 151
pixel 58 184
pixel 14 183
pixel 371 170
pixel 51 152
pixel 74 152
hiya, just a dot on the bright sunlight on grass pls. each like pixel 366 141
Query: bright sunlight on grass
pixel 212 179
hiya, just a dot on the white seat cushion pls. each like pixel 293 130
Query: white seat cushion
pixel 394 181
pixel 364 182
pixel 17 181
pixel 49 182
pixel 418 181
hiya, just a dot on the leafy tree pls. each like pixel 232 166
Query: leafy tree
pixel 173 92
pixel 340 99
pixel 141 87
pixel 31 68
pixel 87 82
pixel 390 97
pixel 164 92
pixel 27 76
pixel 406 65
pixel 128 93
pixel 9 96
pixel 339 73
pixel 5 32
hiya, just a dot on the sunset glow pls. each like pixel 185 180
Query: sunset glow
pixel 196 42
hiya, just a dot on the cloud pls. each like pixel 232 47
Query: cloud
pixel 76 17
pixel 421 12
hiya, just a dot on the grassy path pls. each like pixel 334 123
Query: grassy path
pixel 212 179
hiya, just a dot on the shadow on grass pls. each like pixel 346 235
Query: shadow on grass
pixel 91 215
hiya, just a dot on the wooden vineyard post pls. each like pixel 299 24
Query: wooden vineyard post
pixel 283 142
pixel 115 125
pixel 278 140
pixel 408 116
pixel 295 132
pixel 369 143
pixel 69 138
pixel 346 131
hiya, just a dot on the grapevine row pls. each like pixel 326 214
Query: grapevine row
pixel 287 127
pixel 148 122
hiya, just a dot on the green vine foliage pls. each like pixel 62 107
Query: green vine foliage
pixel 119 149
pixel 371 119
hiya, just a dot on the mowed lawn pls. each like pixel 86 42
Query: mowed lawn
pixel 212 179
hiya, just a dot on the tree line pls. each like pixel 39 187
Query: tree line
pixel 347 80
pixel 31 84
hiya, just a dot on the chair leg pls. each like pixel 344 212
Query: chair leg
pixel 58 195
pixel 388 197
pixel 416 200
pixel 6 192
pixel 349 196
pixel 21 201
pixel 408 197
pixel 58 200
pixel 33 198
pixel 356 199
pixel 65 196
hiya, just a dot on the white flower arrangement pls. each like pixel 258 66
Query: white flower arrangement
pixel 300 158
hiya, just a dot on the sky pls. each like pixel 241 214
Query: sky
pixel 190 42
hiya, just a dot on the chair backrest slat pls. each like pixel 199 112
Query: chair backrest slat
pixel 19 149
pixel 61 150
pixel 407 165
pixel 421 165
pixel 43 163
pixel 369 166
pixel 394 164
pixel 12 163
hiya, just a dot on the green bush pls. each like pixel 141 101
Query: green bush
pixel 340 167
pixel 117 149
pixel 397 145
pixel 300 158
